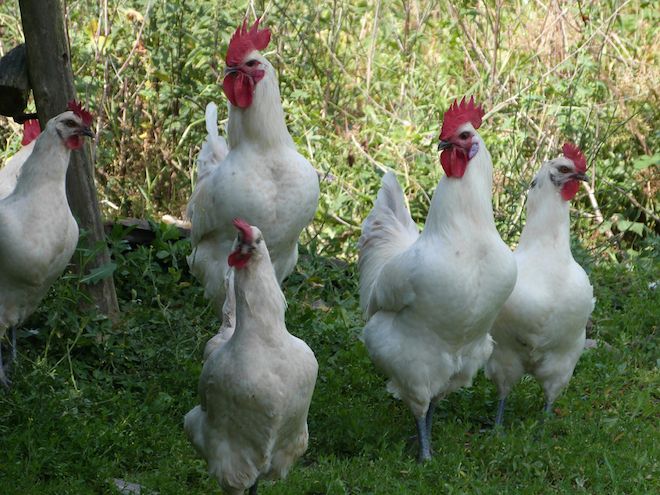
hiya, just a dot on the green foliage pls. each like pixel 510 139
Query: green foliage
pixel 364 85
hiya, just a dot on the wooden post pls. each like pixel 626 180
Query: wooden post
pixel 51 79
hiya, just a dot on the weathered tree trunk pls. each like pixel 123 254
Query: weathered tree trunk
pixel 51 79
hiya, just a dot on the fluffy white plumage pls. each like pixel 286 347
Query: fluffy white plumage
pixel 541 328
pixel 431 298
pixel 228 318
pixel 255 389
pixel 215 148
pixel 262 179
pixel 12 168
pixel 38 233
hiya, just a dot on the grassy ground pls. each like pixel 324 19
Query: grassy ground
pixel 92 401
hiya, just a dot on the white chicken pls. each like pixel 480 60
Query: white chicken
pixel 255 389
pixel 38 233
pixel 541 327
pixel 262 179
pixel 12 167
pixel 431 298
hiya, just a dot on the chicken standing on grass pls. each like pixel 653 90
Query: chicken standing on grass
pixel 12 167
pixel 431 298
pixel 541 328
pixel 38 233
pixel 259 177
pixel 256 389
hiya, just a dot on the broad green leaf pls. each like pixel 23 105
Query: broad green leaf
pixel 99 273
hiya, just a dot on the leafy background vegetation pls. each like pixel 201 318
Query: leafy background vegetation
pixel 364 85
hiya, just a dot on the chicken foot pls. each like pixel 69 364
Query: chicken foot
pixel 547 409
pixel 429 423
pixel 4 368
pixel 499 417
pixel 423 424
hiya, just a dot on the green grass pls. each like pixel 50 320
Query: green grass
pixel 92 401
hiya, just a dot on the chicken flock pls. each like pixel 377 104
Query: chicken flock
pixel 439 304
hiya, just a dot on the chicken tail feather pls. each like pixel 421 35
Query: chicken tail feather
pixel 387 231
pixel 215 148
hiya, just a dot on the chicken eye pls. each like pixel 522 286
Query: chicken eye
pixel 564 169
pixel 70 123
pixel 464 135
pixel 258 240
pixel 251 63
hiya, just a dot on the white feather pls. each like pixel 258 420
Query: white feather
pixel 12 168
pixel 541 328
pixel 38 233
pixel 214 149
pixel 386 232
pixel 255 389
pixel 262 179
pixel 432 298
pixel 228 318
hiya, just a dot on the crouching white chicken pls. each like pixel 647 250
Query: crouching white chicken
pixel 541 327
pixel 431 298
pixel 12 167
pixel 256 388
pixel 262 178
pixel 38 233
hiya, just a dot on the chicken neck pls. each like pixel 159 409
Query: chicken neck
pixel 548 225
pixel 261 124
pixel 260 304
pixel 35 173
pixel 463 205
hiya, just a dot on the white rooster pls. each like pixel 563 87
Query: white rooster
pixel 12 167
pixel 262 178
pixel 38 233
pixel 255 389
pixel 431 298
pixel 541 328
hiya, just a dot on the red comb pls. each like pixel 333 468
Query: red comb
pixel 458 114
pixel 244 228
pixel 78 109
pixel 31 130
pixel 573 153
pixel 244 41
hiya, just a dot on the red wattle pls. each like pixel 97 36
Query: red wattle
pixel 239 89
pixel 243 90
pixel 238 260
pixel 454 162
pixel 228 87
pixel 570 189
pixel 74 142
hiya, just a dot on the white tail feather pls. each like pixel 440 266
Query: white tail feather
pixel 387 231
pixel 213 152
pixel 215 148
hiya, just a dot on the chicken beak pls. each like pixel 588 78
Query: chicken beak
pixel 230 70
pixel 443 145
pixel 581 176
pixel 86 131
